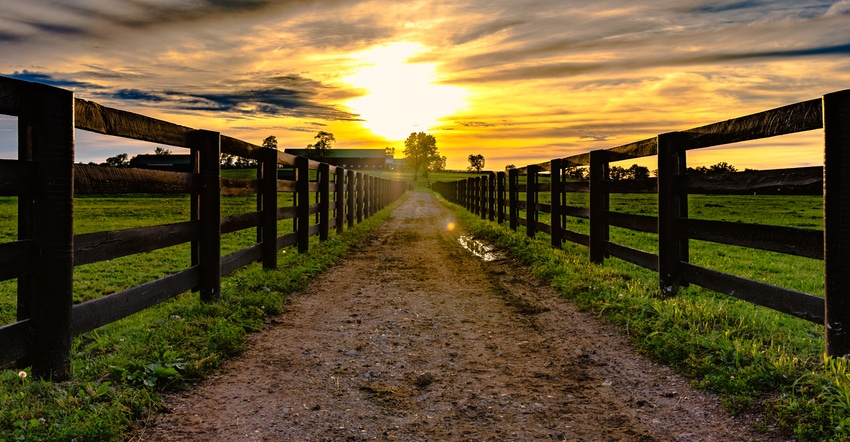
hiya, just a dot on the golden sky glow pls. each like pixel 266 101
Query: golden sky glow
pixel 400 97
pixel 518 81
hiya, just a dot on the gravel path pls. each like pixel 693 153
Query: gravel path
pixel 413 338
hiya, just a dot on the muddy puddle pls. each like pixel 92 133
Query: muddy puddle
pixel 482 250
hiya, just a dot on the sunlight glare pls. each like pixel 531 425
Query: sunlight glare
pixel 402 97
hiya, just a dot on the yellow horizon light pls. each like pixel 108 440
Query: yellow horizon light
pixel 402 97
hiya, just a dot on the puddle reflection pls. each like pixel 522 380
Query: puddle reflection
pixel 479 249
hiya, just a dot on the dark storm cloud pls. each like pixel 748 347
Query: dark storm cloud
pixel 555 70
pixel 39 18
pixel 136 95
pixel 48 79
pixel 266 102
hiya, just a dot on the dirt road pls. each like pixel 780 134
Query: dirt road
pixel 413 338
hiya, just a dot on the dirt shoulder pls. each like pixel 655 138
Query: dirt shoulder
pixel 413 338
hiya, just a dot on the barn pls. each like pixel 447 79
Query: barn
pixel 172 162
pixel 352 158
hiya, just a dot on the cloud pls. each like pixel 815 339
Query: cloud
pixel 841 7
pixel 102 18
pixel 259 102
pixel 48 79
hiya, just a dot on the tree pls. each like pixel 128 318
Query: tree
pixel 634 172
pixel 161 151
pixel 438 164
pixel 270 142
pixel 509 167
pixel 577 173
pixel 420 150
pixel 722 167
pixel 321 148
pixel 616 173
pixel 119 160
pixel 637 172
pixel 476 162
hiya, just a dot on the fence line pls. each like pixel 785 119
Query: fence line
pixel 44 178
pixel 497 196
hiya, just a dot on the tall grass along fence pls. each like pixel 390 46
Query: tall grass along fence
pixel 503 197
pixel 45 179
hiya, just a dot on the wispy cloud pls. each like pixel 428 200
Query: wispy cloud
pixel 542 77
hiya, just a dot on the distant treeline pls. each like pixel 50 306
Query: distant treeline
pixel 635 172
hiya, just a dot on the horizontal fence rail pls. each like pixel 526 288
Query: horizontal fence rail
pixel 497 196
pixel 45 180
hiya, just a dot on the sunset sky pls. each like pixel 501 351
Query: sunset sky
pixel 519 81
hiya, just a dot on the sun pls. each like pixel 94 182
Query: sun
pixel 401 97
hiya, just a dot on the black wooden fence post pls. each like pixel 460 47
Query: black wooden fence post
pixel 500 196
pixel 268 195
pixel 339 190
pixel 461 193
pixel 556 191
pixel 324 200
pixel 302 205
pixel 351 195
pixel 208 145
pixel 361 196
pixel 672 206
pixel 531 199
pixel 599 205
pixel 370 194
pixel 491 196
pixel 25 218
pixel 836 125
pixel 50 112
pixel 513 199
pixel 483 181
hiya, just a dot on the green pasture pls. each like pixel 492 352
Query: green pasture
pixel 806 211
pixel 119 371
pixel 760 362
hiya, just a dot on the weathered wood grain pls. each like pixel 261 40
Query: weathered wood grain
pixel 639 257
pixel 640 223
pixel 797 117
pixel 94 117
pixel 15 340
pixel 235 223
pixel 787 240
pixel 15 176
pixel 102 246
pixel 93 179
pixel 95 313
pixel 240 258
pixel 801 305
pixel 17 258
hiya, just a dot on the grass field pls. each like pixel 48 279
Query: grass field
pixel 759 360
pixel 118 371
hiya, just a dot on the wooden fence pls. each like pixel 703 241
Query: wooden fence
pixel 47 250
pixel 497 196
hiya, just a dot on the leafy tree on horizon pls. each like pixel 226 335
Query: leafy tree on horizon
pixel 270 142
pixel 120 160
pixel 420 150
pixel 320 149
pixel 476 162
pixel 161 151
pixel 721 167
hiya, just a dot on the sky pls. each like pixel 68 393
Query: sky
pixel 518 81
